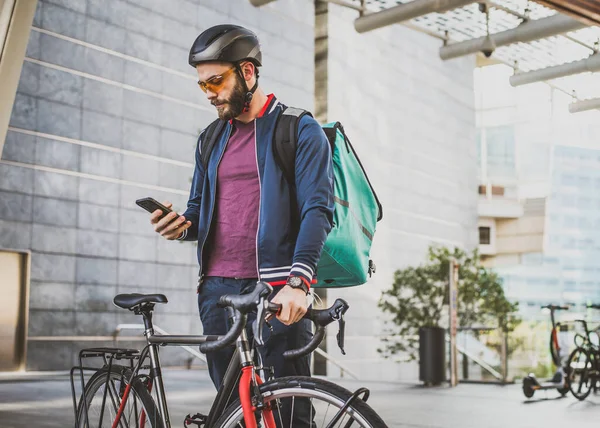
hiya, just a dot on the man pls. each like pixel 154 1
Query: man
pixel 240 208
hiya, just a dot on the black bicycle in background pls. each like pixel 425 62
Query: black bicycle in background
pixel 583 367
pixel 127 390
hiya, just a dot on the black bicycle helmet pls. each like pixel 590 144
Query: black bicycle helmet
pixel 227 43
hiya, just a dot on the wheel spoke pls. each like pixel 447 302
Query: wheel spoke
pixel 292 412
pixel 105 408
pixel 279 412
pixel 325 417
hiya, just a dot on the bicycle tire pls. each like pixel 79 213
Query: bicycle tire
pixel 302 388
pixel 138 392
pixel 582 388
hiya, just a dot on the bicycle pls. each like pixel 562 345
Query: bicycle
pixel 583 366
pixel 124 391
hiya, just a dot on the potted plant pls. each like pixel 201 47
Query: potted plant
pixel 417 305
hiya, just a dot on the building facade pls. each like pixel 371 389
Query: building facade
pixel 107 111
pixel 538 206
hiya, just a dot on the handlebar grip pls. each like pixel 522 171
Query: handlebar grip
pixel 274 308
pixel 229 338
pixel 308 348
pixel 246 303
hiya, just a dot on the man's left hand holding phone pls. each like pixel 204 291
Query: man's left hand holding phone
pixel 165 221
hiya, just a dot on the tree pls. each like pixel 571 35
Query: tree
pixel 419 298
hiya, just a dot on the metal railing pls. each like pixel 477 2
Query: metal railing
pixel 467 356
pixel 481 363
pixel 116 336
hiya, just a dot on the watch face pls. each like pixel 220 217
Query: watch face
pixel 295 281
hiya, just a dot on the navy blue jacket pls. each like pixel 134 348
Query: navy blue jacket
pixel 282 247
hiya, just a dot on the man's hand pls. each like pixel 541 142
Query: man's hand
pixel 171 226
pixel 293 304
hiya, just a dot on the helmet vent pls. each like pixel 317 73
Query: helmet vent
pixel 217 35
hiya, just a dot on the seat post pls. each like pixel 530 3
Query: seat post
pixel 145 310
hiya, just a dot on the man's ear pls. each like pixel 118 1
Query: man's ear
pixel 248 70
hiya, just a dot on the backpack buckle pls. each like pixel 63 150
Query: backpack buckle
pixel 372 268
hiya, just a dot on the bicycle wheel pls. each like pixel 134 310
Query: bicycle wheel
pixel 320 399
pixel 579 371
pixel 100 409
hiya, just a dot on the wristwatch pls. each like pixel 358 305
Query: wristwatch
pixel 297 282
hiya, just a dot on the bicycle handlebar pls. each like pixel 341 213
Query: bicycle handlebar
pixel 240 305
pixel 321 318
pixel 214 343
pixel 594 306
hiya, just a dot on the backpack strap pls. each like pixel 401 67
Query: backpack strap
pixel 286 141
pixel 211 134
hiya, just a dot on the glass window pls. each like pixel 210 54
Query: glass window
pixel 484 235
pixel 567 199
pixel 567 180
pixel 585 202
pixel 500 141
pixel 585 223
pixel 532 258
pixel 584 181
pixel 570 286
pixel 570 221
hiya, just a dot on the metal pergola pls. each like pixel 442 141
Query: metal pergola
pixel 538 42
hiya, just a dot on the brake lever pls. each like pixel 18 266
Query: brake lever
pixel 341 333
pixel 257 326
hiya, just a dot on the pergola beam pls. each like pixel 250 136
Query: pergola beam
pixel 526 32
pixel 405 12
pixel 585 105
pixel 259 3
pixel 590 64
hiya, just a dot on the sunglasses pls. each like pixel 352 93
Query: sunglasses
pixel 215 83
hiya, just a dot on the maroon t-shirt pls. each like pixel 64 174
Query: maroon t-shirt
pixel 231 250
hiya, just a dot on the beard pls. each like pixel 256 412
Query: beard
pixel 234 106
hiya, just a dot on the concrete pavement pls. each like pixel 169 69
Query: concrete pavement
pixel 45 401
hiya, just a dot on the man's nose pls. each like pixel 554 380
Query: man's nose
pixel 211 95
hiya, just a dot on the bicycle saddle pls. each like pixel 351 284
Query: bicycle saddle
pixel 128 301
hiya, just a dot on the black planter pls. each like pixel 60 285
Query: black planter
pixel 432 355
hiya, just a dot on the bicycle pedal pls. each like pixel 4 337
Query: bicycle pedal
pixel 198 419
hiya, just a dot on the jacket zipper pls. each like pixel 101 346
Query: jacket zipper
pixel 259 200
pixel 212 208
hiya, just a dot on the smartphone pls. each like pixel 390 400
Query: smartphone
pixel 151 205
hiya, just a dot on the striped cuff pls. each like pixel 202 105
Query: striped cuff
pixel 303 271
pixel 183 235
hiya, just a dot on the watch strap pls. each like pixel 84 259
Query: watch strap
pixel 304 285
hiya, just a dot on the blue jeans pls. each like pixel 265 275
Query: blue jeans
pixel 282 338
